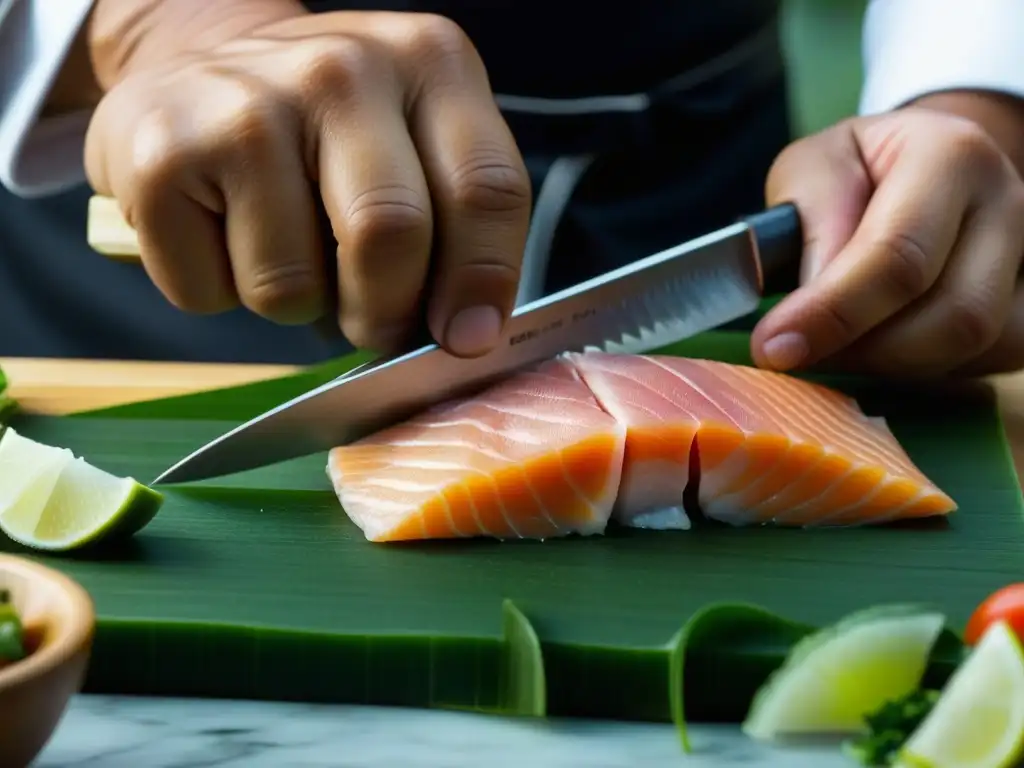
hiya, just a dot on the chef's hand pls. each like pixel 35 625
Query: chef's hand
pixel 914 237
pixel 221 129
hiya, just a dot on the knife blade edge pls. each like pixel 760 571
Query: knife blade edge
pixel 664 304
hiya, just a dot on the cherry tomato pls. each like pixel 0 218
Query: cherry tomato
pixel 1007 604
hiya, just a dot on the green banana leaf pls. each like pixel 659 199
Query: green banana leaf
pixel 257 585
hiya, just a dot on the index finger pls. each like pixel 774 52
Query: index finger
pixel 895 256
pixel 373 191
pixel 481 192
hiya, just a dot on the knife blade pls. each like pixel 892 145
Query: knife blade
pixel 658 300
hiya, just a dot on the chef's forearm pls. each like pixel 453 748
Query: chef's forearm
pixel 1001 115
pixel 75 88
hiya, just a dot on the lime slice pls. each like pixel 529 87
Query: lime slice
pixel 836 676
pixel 979 720
pixel 51 500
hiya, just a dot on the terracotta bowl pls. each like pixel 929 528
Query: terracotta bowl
pixel 35 691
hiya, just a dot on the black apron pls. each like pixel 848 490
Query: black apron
pixel 639 130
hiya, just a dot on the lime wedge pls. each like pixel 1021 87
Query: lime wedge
pixel 978 722
pixel 834 677
pixel 28 474
pixel 51 500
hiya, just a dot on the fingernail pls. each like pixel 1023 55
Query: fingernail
pixel 785 351
pixel 473 331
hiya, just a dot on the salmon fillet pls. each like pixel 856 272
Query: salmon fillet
pixel 770 447
pixel 566 446
pixel 532 457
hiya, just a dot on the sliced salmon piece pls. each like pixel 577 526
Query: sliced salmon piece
pixel 771 448
pixel 532 457
pixel 563 447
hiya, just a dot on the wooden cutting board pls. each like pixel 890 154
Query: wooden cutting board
pixel 54 386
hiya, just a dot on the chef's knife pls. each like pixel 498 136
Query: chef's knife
pixel 658 300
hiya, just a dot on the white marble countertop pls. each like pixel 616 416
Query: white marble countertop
pixel 129 732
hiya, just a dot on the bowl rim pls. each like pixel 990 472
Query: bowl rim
pixel 63 646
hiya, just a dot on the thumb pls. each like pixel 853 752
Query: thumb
pixel 823 175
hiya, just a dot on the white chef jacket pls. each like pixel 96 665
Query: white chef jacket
pixel 910 48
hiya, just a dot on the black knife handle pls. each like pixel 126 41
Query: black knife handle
pixel 780 239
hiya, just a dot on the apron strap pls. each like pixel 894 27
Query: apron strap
pixel 552 199
pixel 590 124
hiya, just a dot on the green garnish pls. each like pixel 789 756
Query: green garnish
pixel 7 409
pixel 12 647
pixel 890 726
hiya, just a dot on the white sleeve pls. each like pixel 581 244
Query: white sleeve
pixel 38 157
pixel 915 47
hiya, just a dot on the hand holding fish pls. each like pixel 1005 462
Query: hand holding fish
pixel 226 123
pixel 914 229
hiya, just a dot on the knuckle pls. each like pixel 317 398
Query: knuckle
pixel 907 273
pixel 332 67
pixel 969 137
pixel 287 291
pixel 491 182
pixel 793 154
pixel 160 162
pixel 247 120
pixel 436 38
pixel 971 144
pixel 196 303
pixel 245 126
pixel 385 214
pixel 972 324
pixel 158 153
pixel 840 322
pixel 182 291
pixel 356 331
pixel 172 288
pixel 371 333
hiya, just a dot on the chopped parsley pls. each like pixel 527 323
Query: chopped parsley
pixel 890 726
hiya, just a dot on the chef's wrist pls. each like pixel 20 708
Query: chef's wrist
pixel 126 35
pixel 1000 114
pixel 74 88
